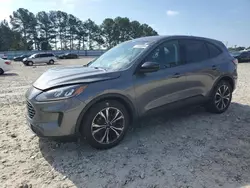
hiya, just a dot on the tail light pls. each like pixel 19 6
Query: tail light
pixel 235 61
pixel 7 62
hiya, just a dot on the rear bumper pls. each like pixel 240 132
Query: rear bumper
pixel 235 84
pixel 7 68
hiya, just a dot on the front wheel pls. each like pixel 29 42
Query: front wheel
pixel 221 98
pixel 30 63
pixel 106 124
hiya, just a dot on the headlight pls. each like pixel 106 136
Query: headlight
pixel 61 93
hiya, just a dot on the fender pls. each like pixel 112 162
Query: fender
pixel 128 104
pixel 223 77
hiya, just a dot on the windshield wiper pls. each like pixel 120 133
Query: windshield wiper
pixel 100 68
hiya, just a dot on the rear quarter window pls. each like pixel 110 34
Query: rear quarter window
pixel 47 55
pixel 43 55
pixel 194 50
pixel 213 50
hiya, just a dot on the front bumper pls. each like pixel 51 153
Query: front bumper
pixel 54 118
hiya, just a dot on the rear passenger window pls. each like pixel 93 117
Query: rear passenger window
pixel 42 55
pixel 194 51
pixel 213 50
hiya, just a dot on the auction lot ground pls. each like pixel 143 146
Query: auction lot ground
pixel 188 148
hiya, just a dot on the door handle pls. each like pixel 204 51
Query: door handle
pixel 214 67
pixel 177 75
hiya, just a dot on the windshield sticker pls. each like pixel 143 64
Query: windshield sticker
pixel 140 46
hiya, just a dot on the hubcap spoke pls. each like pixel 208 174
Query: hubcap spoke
pixel 217 101
pixel 98 126
pixel 116 128
pixel 227 97
pixel 117 134
pixel 102 114
pixel 103 136
pixel 97 130
pixel 116 119
pixel 219 91
pixel 218 94
pixel 223 104
pixel 116 114
pixel 107 136
pixel 107 114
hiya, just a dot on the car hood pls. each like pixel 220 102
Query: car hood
pixel 72 75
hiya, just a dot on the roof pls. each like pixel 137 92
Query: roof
pixel 160 37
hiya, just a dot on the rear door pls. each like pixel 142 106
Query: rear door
pixel 46 58
pixel 201 56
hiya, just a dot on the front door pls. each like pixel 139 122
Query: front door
pixel 165 86
pixel 38 58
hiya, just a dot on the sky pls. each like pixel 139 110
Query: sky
pixel 224 20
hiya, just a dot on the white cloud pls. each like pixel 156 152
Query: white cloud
pixel 172 13
pixel 5 9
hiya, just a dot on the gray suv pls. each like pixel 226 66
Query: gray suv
pixel 137 77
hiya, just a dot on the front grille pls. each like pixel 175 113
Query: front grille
pixel 31 110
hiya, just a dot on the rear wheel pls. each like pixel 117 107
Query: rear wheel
pixel 1 71
pixel 51 62
pixel 106 124
pixel 220 98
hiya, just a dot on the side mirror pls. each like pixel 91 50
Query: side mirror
pixel 149 67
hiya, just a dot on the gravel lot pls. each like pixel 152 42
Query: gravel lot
pixel 188 148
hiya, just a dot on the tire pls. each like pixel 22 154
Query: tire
pixel 1 71
pixel 51 62
pixel 30 63
pixel 213 105
pixel 96 135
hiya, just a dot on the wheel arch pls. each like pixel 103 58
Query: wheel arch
pixel 227 78
pixel 30 61
pixel 118 97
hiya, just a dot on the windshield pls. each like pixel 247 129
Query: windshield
pixel 32 55
pixel 121 56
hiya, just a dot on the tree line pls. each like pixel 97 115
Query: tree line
pixel 60 30
pixel 239 48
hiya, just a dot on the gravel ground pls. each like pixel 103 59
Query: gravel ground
pixel 187 148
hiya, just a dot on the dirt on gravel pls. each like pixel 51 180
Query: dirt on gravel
pixel 183 148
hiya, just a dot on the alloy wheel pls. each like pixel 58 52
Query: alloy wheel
pixel 108 125
pixel 222 97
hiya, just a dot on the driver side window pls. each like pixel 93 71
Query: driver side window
pixel 166 54
pixel 37 56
